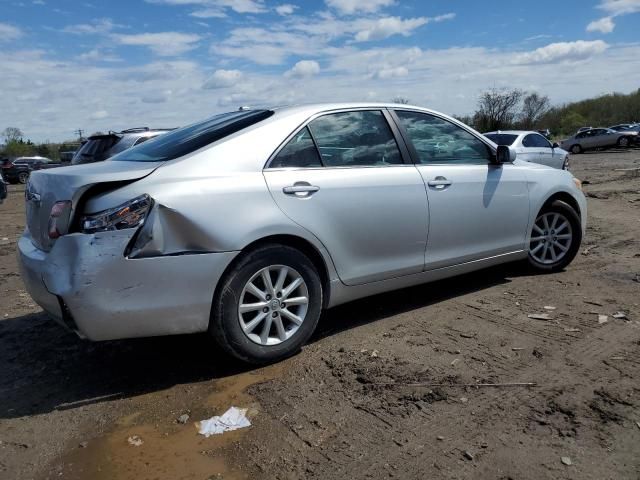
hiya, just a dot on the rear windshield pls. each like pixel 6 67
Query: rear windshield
pixel 96 149
pixel 188 139
pixel 501 138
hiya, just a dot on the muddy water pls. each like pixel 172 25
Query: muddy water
pixel 169 451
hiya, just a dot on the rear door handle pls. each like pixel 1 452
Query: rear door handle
pixel 439 182
pixel 300 188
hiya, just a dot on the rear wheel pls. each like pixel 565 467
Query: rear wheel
pixel 623 142
pixel 555 237
pixel 23 177
pixel 576 149
pixel 269 305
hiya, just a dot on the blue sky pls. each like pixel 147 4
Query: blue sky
pixel 101 65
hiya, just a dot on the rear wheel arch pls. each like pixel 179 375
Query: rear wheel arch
pixel 293 241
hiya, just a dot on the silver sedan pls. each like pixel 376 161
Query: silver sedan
pixel 248 224
pixel 532 147
pixel 598 138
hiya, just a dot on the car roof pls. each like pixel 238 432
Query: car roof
pixel 314 108
pixel 511 132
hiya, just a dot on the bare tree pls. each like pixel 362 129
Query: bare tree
pixel 401 100
pixel 497 109
pixel 12 134
pixel 534 106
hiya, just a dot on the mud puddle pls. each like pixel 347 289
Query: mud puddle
pixel 168 450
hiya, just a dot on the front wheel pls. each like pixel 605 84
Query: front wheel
pixel 577 149
pixel 269 305
pixel 555 237
pixel 23 177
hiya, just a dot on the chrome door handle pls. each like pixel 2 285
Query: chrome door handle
pixel 298 188
pixel 439 182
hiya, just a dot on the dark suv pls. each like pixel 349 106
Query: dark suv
pixel 98 148
pixel 18 170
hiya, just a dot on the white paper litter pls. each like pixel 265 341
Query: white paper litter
pixel 232 419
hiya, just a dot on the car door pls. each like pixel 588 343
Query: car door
pixel 344 178
pixel 477 209
pixel 538 148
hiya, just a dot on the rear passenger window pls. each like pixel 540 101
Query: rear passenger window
pixel 300 152
pixel 536 141
pixel 354 139
pixel 439 141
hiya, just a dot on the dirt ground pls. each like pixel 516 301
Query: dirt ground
pixel 348 406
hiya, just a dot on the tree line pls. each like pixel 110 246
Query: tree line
pixel 505 109
pixel 15 145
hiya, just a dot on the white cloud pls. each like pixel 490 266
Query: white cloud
pixel 620 7
pixel 165 44
pixel 168 92
pixel 99 115
pixel 286 9
pixel 395 72
pixel 614 8
pixel 96 27
pixel 604 25
pixel 238 6
pixel 9 32
pixel 562 52
pixel 209 13
pixel 382 28
pixel 304 69
pixel 97 55
pixel 222 79
pixel 350 7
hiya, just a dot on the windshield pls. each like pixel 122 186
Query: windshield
pixel 188 139
pixel 501 138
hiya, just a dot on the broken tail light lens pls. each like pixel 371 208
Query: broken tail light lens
pixel 128 215
pixel 59 219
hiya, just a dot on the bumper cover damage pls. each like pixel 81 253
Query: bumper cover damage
pixel 110 296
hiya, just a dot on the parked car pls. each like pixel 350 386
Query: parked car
pixel 545 133
pixel 532 147
pixel 598 138
pixel 98 148
pixel 3 189
pixel 18 170
pixel 625 127
pixel 250 223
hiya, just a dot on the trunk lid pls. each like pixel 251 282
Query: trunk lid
pixel 46 187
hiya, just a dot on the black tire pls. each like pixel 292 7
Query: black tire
pixel 624 142
pixel 577 149
pixel 224 324
pixel 23 177
pixel 564 209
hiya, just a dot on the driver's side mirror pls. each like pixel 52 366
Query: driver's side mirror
pixel 555 145
pixel 505 154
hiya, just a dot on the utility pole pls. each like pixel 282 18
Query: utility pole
pixel 79 132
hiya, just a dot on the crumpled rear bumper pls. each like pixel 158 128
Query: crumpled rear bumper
pixel 86 283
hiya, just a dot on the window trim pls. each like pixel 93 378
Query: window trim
pixel 405 155
pixel 412 149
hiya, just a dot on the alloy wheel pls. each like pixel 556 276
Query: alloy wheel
pixel 551 238
pixel 273 305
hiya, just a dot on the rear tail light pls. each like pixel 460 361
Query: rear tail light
pixel 128 215
pixel 59 219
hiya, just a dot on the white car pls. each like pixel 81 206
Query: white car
pixel 532 147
